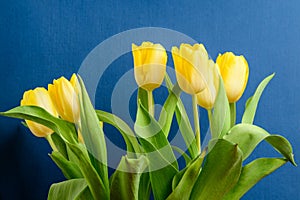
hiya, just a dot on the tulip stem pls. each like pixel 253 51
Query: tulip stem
pixel 196 123
pixel 49 139
pixel 150 103
pixel 209 113
pixel 232 114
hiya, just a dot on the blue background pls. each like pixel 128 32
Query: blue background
pixel 43 40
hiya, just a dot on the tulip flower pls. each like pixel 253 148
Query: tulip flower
pixel 234 71
pixel 65 98
pixel 207 97
pixel 149 65
pixel 39 97
pixel 189 63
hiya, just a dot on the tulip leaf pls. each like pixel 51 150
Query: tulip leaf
pixel 68 168
pixel 143 98
pixel 220 122
pixel 67 190
pixel 85 195
pixel 186 157
pixel 184 187
pixel 162 161
pixel 252 102
pixel 128 135
pixel 93 135
pixel 60 144
pixel 220 172
pixel 41 116
pixel 126 179
pixel 248 136
pixel 95 183
pixel 145 187
pixel 253 173
pixel 184 124
pixel 167 112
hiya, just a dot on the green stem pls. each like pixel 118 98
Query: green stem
pixel 196 123
pixel 49 139
pixel 232 114
pixel 209 113
pixel 150 103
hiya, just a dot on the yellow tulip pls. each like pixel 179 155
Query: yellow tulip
pixel 234 71
pixel 149 65
pixel 189 63
pixel 207 97
pixel 39 97
pixel 65 98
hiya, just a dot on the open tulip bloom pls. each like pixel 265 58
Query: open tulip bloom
pixel 65 116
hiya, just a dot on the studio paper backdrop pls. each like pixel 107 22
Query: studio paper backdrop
pixel 43 40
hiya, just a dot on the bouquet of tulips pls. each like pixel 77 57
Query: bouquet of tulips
pixel 65 116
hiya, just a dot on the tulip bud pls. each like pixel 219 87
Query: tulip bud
pixel 189 62
pixel 207 97
pixel 39 97
pixel 149 65
pixel 234 71
pixel 65 98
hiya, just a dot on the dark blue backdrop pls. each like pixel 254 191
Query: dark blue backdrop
pixel 42 40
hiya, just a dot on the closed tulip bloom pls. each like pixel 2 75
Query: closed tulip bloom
pixel 39 97
pixel 65 98
pixel 149 65
pixel 207 97
pixel 189 62
pixel 234 71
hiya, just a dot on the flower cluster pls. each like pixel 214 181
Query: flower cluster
pixel 65 116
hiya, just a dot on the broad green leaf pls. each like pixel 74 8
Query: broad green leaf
pixel 93 135
pixel 168 109
pixel 252 102
pixel 126 179
pixel 162 162
pixel 220 122
pixel 184 124
pixel 186 183
pixel 96 185
pixel 68 168
pixel 84 195
pixel 220 172
pixel 67 190
pixel 128 135
pixel 248 136
pixel 145 186
pixel 41 116
pixel 253 173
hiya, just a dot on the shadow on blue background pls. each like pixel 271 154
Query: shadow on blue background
pixel 43 40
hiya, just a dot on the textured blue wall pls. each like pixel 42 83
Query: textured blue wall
pixel 42 40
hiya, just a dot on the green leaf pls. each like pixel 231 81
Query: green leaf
pixel 126 179
pixel 128 135
pixel 184 124
pixel 168 109
pixel 93 135
pixel 37 114
pixel 248 136
pixel 252 102
pixel 67 190
pixel 145 187
pixel 68 168
pixel 184 155
pixel 253 173
pixel 60 144
pixel 186 183
pixel 220 122
pixel 85 195
pixel 163 164
pixel 142 98
pixel 96 185
pixel 220 172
